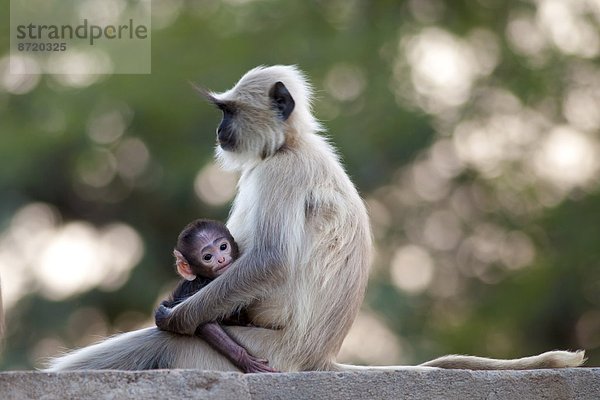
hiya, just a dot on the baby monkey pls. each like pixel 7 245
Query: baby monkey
pixel 204 250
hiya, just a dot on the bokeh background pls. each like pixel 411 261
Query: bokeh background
pixel 471 128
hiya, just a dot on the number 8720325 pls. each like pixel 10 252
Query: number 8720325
pixel 41 47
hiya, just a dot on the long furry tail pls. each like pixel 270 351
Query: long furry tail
pixel 134 350
pixel 550 359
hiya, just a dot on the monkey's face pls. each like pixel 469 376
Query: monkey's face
pixel 256 118
pixel 255 124
pixel 215 257
pixel 226 133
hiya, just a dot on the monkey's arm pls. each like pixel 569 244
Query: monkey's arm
pixel 214 335
pixel 246 280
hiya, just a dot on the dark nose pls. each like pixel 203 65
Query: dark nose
pixel 226 137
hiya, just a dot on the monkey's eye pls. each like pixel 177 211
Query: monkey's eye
pixel 223 247
pixel 207 257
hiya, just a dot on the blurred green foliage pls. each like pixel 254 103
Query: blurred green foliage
pixel 385 128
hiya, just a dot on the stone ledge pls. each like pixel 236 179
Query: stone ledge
pixel 413 383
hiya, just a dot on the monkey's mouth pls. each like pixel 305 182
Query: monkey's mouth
pixel 227 146
pixel 222 268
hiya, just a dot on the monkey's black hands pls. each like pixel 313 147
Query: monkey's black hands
pixel 162 316
pixel 171 319
pixel 166 320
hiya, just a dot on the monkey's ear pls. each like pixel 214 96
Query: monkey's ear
pixel 183 267
pixel 282 100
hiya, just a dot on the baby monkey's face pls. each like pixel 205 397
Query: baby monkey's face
pixel 216 256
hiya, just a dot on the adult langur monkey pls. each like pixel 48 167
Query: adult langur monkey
pixel 305 244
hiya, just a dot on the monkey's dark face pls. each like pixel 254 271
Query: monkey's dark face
pixel 225 132
pixel 204 248
pixel 253 126
pixel 215 256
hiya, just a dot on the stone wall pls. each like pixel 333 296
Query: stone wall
pixel 410 383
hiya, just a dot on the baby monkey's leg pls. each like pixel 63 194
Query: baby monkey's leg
pixel 214 335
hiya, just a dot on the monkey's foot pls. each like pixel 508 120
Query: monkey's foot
pixel 251 364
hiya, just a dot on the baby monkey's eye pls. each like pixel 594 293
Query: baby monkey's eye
pixel 207 257
pixel 223 247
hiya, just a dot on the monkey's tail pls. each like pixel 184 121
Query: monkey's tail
pixel 550 359
pixel 134 350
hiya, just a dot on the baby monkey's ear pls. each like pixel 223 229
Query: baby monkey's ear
pixel 183 267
